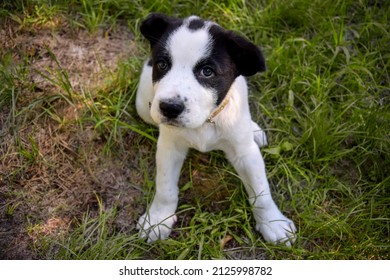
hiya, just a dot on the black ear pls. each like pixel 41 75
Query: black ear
pixel 247 57
pixel 156 25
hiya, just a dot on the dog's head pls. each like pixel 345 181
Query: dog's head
pixel 194 65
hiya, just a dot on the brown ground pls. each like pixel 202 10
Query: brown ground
pixel 67 173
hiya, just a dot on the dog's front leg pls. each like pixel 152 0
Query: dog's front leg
pixel 272 224
pixel 159 218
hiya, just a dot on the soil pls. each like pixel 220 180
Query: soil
pixel 52 173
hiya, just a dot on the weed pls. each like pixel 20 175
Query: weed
pixel 93 15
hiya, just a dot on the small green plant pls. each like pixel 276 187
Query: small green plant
pixel 42 15
pixel 60 78
pixel 11 208
pixel 93 15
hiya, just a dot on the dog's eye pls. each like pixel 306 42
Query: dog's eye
pixel 162 65
pixel 207 72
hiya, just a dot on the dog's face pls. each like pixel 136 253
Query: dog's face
pixel 194 65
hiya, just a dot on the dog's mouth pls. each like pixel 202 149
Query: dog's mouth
pixel 178 123
pixel 174 124
pixel 171 122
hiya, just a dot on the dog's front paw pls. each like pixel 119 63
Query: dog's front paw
pixel 154 226
pixel 277 229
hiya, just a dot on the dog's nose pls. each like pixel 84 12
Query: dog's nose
pixel 171 108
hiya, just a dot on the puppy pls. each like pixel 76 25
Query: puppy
pixel 193 88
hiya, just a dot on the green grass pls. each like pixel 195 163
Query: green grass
pixel 324 102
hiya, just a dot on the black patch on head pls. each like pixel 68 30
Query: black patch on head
pixel 157 28
pixel 231 55
pixel 162 63
pixel 222 70
pixel 196 24
pixel 247 57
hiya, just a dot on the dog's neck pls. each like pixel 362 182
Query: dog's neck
pixel 219 109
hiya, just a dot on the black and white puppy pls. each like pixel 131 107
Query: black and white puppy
pixel 194 90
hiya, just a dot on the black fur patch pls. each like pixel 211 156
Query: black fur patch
pixel 157 28
pixel 160 56
pixel 247 57
pixel 224 72
pixel 196 24
pixel 231 55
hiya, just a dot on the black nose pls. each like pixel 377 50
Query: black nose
pixel 171 108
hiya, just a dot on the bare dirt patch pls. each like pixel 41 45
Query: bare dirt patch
pixel 51 173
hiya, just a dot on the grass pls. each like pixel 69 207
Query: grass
pixel 324 102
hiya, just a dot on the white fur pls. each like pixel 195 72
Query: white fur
pixel 233 132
